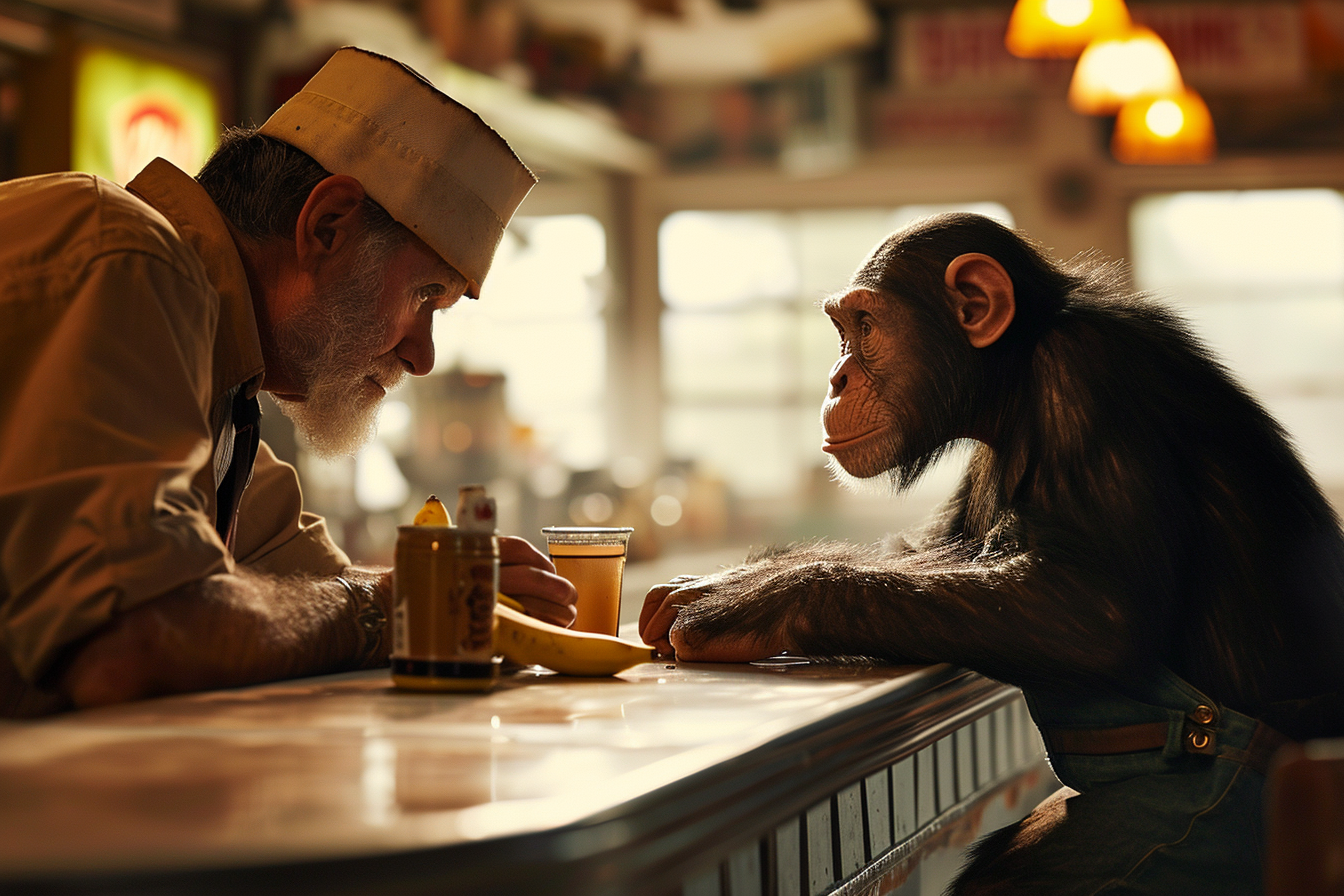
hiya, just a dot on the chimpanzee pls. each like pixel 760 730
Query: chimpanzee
pixel 1135 544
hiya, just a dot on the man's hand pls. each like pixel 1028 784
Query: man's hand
pixel 529 577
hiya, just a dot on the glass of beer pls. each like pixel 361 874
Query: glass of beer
pixel 593 559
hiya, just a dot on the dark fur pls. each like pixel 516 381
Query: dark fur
pixel 1129 505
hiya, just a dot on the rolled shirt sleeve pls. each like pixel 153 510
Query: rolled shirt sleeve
pixel 275 535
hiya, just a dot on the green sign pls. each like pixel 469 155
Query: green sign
pixel 129 110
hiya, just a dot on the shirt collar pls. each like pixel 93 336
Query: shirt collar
pixel 176 195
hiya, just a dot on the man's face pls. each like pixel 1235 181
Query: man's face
pixel 355 338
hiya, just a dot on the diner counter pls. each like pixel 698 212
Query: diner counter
pixel 785 777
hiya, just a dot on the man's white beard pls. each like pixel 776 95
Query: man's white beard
pixel 332 351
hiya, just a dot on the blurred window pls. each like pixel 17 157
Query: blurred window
pixel 1260 274
pixel 540 322
pixel 745 348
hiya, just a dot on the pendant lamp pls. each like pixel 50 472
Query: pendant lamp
pixel 1060 29
pixel 1116 69
pixel 1171 129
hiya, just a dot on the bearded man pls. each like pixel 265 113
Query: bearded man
pixel 149 541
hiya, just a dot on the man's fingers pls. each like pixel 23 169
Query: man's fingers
pixel 543 594
pixel 546 611
pixel 514 550
pixel 519 579
pixel 528 576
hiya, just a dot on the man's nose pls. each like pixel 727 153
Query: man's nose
pixel 416 348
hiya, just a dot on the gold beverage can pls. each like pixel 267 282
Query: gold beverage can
pixel 444 582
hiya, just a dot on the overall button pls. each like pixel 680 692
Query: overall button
pixel 1203 715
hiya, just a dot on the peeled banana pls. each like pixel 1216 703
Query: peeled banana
pixel 528 641
pixel 432 514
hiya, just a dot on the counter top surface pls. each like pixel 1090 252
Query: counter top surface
pixel 348 765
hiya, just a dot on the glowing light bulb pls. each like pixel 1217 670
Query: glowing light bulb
pixel 1114 70
pixel 1164 118
pixel 1164 130
pixel 1069 13
pixel 1060 29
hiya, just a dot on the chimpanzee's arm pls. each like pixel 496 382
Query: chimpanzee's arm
pixel 1015 617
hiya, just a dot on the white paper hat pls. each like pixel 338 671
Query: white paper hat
pixel 429 160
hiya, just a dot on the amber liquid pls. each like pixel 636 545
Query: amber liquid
pixel 595 570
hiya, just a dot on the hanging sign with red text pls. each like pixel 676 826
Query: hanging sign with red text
pixel 1234 46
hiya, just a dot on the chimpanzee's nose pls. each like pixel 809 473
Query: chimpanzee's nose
pixel 838 377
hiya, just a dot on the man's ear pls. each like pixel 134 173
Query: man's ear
pixel 329 221
pixel 981 293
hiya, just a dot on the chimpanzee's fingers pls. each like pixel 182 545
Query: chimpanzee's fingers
pixel 654 599
pixel 723 649
pixel 655 628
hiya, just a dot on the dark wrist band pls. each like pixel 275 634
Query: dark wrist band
pixel 370 620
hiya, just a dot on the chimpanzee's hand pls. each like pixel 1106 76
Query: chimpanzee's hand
pixel 724 632
pixel 660 609
pixel 529 577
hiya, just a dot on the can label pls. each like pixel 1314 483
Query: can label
pixel 444 583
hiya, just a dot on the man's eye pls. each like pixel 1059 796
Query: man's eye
pixel 435 293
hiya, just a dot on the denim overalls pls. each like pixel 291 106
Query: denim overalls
pixel 1169 797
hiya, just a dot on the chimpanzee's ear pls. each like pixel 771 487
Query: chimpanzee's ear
pixel 981 293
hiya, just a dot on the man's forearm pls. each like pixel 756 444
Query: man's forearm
pixel 222 631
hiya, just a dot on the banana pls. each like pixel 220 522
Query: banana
pixel 528 641
pixel 432 514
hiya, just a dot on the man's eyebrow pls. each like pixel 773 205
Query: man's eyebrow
pixel 453 277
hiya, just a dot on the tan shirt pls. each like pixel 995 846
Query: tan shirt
pixel 126 323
